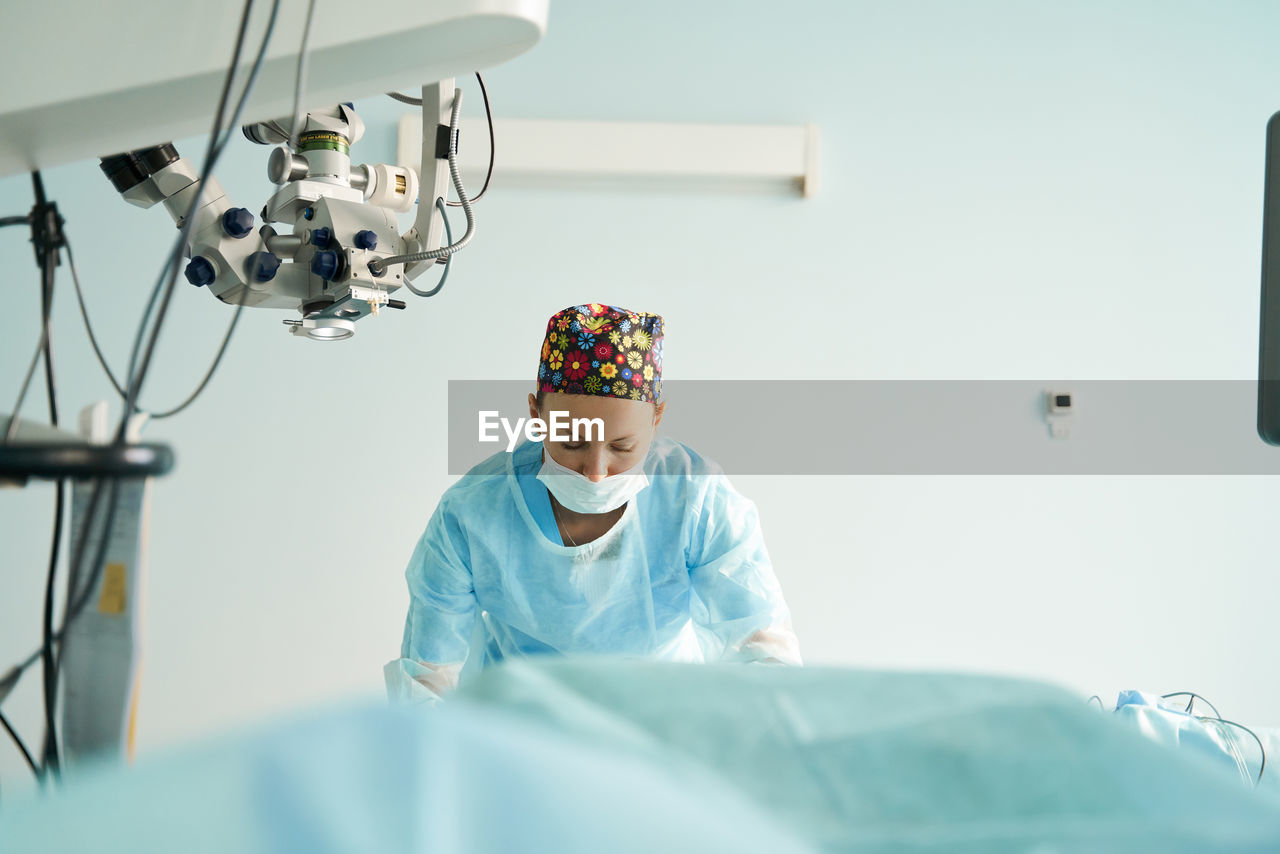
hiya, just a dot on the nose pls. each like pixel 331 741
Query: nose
pixel 596 466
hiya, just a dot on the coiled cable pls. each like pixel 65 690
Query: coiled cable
pixel 380 265
pixel 448 262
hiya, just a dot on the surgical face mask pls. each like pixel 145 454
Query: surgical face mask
pixel 580 494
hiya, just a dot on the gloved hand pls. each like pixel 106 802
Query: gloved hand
pixel 415 682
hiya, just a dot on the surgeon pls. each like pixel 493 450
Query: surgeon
pixel 620 542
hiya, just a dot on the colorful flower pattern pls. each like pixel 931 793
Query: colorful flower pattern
pixel 600 349
pixel 576 365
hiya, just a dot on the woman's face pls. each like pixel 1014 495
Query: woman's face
pixel 628 432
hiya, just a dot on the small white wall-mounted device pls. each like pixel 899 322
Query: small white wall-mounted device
pixel 1061 408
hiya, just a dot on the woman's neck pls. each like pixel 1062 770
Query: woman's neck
pixel 580 528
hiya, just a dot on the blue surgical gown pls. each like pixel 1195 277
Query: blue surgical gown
pixel 682 576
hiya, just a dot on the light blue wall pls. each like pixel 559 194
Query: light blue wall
pixel 1009 190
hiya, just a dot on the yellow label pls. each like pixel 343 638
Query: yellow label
pixel 133 719
pixel 112 600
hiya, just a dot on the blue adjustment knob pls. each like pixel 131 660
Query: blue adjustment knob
pixel 325 264
pixel 237 222
pixel 366 239
pixel 321 237
pixel 200 271
pixel 263 266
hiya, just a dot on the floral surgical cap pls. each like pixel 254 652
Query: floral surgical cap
pixel 602 350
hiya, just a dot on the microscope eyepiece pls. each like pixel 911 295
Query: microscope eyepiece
pixel 157 157
pixel 123 171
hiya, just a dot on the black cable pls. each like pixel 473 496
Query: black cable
pixel 179 244
pixel 49 665
pixel 215 151
pixel 299 81
pixel 12 431
pixel 73 610
pixel 1194 696
pixel 76 604
pixel 88 327
pixel 15 220
pixel 214 156
pixel 93 341
pixel 252 78
pixel 226 339
pixel 26 754
pixel 1261 748
pixel 55 641
pixel 216 145
pixel 488 114
pixel 448 264
pixel 50 662
pixel 46 235
pixel 1217 716
pixel 46 239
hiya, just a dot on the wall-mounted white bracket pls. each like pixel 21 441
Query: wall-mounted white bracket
pixel 576 154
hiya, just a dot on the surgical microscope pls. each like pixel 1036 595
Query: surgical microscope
pixel 327 242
